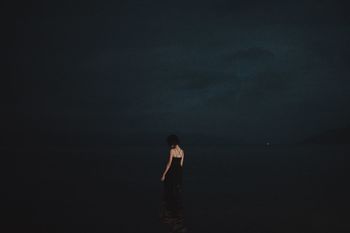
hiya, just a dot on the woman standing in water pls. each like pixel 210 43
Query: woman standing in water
pixel 172 212
pixel 172 175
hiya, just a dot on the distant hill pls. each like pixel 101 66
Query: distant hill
pixel 331 136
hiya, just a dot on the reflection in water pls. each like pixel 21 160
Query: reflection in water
pixel 172 210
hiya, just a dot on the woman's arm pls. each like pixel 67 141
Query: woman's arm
pixel 182 159
pixel 168 164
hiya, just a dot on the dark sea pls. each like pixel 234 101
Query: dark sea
pixel 243 189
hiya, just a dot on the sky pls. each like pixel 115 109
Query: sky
pixel 240 71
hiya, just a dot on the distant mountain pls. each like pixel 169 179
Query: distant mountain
pixel 331 136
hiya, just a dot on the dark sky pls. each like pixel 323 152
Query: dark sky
pixel 250 71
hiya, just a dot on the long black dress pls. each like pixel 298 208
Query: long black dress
pixel 173 187
pixel 172 211
pixel 173 180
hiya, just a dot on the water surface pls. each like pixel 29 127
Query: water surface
pixel 226 189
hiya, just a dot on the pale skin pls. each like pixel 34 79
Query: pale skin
pixel 176 152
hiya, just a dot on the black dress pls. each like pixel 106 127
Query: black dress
pixel 173 180
pixel 172 211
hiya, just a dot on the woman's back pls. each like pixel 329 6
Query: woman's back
pixel 173 179
pixel 178 152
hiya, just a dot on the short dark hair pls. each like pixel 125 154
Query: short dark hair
pixel 173 140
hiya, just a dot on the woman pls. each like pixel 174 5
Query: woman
pixel 172 175
pixel 172 211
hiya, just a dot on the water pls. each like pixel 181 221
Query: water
pixel 226 189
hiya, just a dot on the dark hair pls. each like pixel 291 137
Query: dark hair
pixel 172 140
